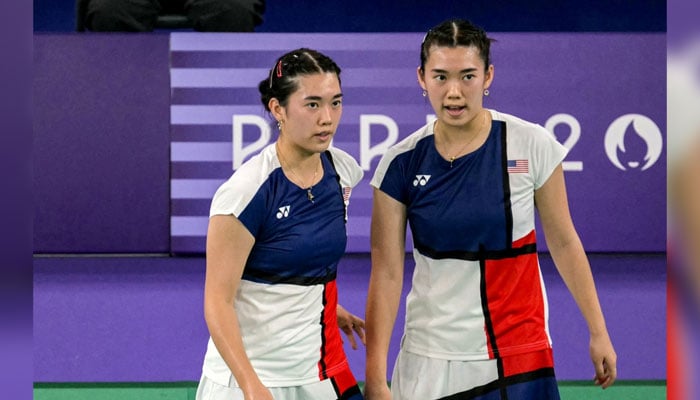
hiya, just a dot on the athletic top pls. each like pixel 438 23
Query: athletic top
pixel 286 301
pixel 477 289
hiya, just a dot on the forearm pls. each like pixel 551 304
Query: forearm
pixel 382 306
pixel 573 266
pixel 387 237
pixel 225 331
pixel 571 261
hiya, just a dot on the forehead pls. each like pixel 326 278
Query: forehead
pixel 318 85
pixel 460 57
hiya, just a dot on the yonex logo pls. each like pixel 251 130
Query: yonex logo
pixel 283 212
pixel 421 180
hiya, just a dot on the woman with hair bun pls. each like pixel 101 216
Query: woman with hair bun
pixel 276 234
pixel 469 184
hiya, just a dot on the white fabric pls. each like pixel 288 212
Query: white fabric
pixel 210 390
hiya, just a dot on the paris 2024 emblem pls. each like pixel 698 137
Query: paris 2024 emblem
pixel 633 131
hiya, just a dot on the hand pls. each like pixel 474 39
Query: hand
pixel 258 392
pixel 349 323
pixel 604 360
pixel 379 391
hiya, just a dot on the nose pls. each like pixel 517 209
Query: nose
pixel 325 118
pixel 453 90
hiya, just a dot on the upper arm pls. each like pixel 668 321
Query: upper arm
pixel 552 205
pixel 228 245
pixel 388 230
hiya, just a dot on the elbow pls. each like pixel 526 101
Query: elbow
pixel 208 313
pixel 213 309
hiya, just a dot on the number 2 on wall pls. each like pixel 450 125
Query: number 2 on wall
pixel 574 135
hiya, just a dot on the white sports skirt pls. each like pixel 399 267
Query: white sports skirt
pixel 528 376
pixel 339 387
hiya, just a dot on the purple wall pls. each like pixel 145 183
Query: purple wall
pixel 571 83
pixel 108 106
pixel 101 132
pixel 140 319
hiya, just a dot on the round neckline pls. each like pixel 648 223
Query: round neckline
pixel 450 164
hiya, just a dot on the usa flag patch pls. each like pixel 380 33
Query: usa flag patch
pixel 346 193
pixel 517 166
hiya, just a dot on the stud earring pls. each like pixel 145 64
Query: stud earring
pixel 279 125
pixel 425 93
pixel 486 92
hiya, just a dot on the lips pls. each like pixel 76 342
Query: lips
pixel 325 135
pixel 454 111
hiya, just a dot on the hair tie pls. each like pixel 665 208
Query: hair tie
pixel 279 68
pixel 426 36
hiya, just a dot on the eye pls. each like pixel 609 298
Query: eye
pixel 468 77
pixel 337 103
pixel 313 105
pixel 440 78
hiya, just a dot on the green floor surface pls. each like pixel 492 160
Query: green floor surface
pixel 569 390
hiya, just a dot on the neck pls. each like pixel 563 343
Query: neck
pixel 303 168
pixel 296 157
pixel 455 135
pixel 455 142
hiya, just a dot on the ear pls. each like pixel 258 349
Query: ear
pixel 488 78
pixel 421 77
pixel 276 109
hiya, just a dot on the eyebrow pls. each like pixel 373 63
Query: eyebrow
pixel 442 71
pixel 318 98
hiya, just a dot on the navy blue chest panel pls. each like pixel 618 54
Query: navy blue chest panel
pixel 460 210
pixel 297 241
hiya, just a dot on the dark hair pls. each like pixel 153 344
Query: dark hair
pixel 454 33
pixel 281 82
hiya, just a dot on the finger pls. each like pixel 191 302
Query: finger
pixel 599 366
pixel 359 327
pixel 353 343
pixel 611 368
pixel 606 380
pixel 609 374
pixel 601 381
pixel 362 337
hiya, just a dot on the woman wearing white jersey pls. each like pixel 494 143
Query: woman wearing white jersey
pixel 276 234
pixel 468 184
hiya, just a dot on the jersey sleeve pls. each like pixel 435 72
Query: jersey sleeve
pixel 226 200
pixel 349 174
pixel 347 168
pixel 389 176
pixel 242 195
pixel 547 154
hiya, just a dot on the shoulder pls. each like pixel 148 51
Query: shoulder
pixel 346 166
pixel 407 146
pixel 410 142
pixel 517 124
pixel 255 170
pixel 521 130
pixel 244 183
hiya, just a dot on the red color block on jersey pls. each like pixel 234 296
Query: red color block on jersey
pixel 527 362
pixel 343 381
pixel 516 305
pixel 332 354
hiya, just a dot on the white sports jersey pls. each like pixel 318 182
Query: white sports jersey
pixel 286 302
pixel 477 290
